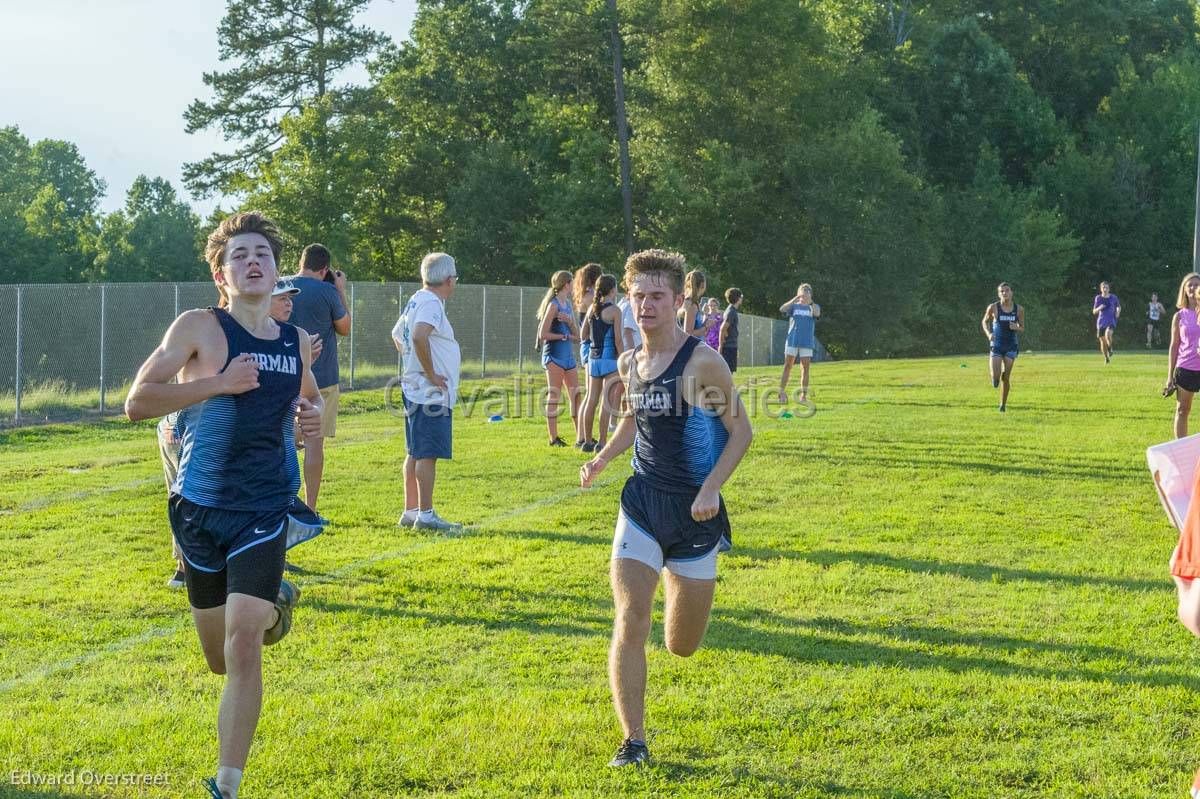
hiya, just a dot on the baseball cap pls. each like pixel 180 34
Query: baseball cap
pixel 284 287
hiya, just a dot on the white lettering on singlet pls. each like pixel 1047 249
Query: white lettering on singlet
pixel 287 364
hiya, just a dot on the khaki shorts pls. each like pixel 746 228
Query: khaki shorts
pixel 330 395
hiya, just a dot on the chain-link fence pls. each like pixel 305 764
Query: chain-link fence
pixel 70 351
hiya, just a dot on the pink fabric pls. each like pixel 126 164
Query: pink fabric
pixel 1189 341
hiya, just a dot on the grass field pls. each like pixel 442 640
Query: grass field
pixel 926 598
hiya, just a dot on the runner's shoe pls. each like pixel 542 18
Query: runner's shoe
pixel 438 525
pixel 289 595
pixel 632 752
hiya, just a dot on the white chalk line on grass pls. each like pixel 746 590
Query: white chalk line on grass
pixel 131 641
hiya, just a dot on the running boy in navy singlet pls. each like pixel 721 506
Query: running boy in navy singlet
pixel 243 381
pixel 689 430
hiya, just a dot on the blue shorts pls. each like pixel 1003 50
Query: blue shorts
pixel 666 517
pixel 1002 352
pixel 566 365
pixel 602 367
pixel 427 430
pixel 210 537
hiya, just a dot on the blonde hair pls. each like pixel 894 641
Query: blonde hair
pixel 694 284
pixel 670 265
pixel 1181 301
pixel 559 279
pixel 804 286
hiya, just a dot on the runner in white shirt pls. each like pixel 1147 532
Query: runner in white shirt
pixel 1154 315
pixel 429 386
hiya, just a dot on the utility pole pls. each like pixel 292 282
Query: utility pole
pixel 623 127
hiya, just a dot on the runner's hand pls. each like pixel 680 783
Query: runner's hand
pixel 309 418
pixel 440 382
pixel 706 505
pixel 240 376
pixel 590 471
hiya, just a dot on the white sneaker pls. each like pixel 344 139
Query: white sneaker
pixel 437 524
pixel 408 518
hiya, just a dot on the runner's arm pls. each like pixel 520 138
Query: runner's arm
pixel 716 392
pixel 616 319
pixel 152 393
pixel 689 321
pixel 987 321
pixel 544 327
pixel 1020 319
pixel 622 437
pixel 311 406
pixel 1173 350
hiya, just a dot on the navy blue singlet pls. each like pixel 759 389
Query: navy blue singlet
pixel 677 444
pixel 238 452
pixel 604 346
pixel 1004 339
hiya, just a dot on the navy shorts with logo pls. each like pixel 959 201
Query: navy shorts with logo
pixel 428 430
pixel 228 551
pixel 667 517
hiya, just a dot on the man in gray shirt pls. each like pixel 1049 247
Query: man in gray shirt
pixel 321 309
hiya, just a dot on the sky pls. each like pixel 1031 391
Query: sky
pixel 115 77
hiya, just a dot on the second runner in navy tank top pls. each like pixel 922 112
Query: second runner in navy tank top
pixel 677 444
pixel 238 451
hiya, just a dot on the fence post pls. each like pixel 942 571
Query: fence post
pixel 483 347
pixel 753 341
pixel 17 381
pixel 400 310
pixel 521 330
pixel 353 313
pixel 103 320
pixel 176 300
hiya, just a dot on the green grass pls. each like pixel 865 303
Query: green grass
pixel 925 599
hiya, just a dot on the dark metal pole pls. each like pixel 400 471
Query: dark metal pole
pixel 622 126
pixel 1196 230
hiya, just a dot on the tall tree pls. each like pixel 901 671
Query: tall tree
pixel 287 54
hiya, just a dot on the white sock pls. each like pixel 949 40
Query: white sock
pixel 427 515
pixel 411 511
pixel 228 780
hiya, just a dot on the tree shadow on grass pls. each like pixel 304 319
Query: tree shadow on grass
pixel 806 640
pixel 498 619
pixel 981 572
pixel 908 459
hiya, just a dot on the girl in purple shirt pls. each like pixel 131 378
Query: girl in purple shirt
pixel 1183 356
pixel 1107 310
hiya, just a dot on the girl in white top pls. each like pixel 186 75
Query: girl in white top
pixel 1154 315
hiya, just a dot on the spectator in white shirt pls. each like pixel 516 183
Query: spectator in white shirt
pixel 429 387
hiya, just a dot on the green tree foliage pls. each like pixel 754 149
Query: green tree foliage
pixel 907 154
pixel 287 54
pixel 152 239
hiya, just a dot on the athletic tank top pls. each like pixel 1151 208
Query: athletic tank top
pixel 1154 313
pixel 558 350
pixel 1189 341
pixel 603 345
pixel 1004 337
pixel 676 444
pixel 238 452
pixel 697 322
pixel 802 328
